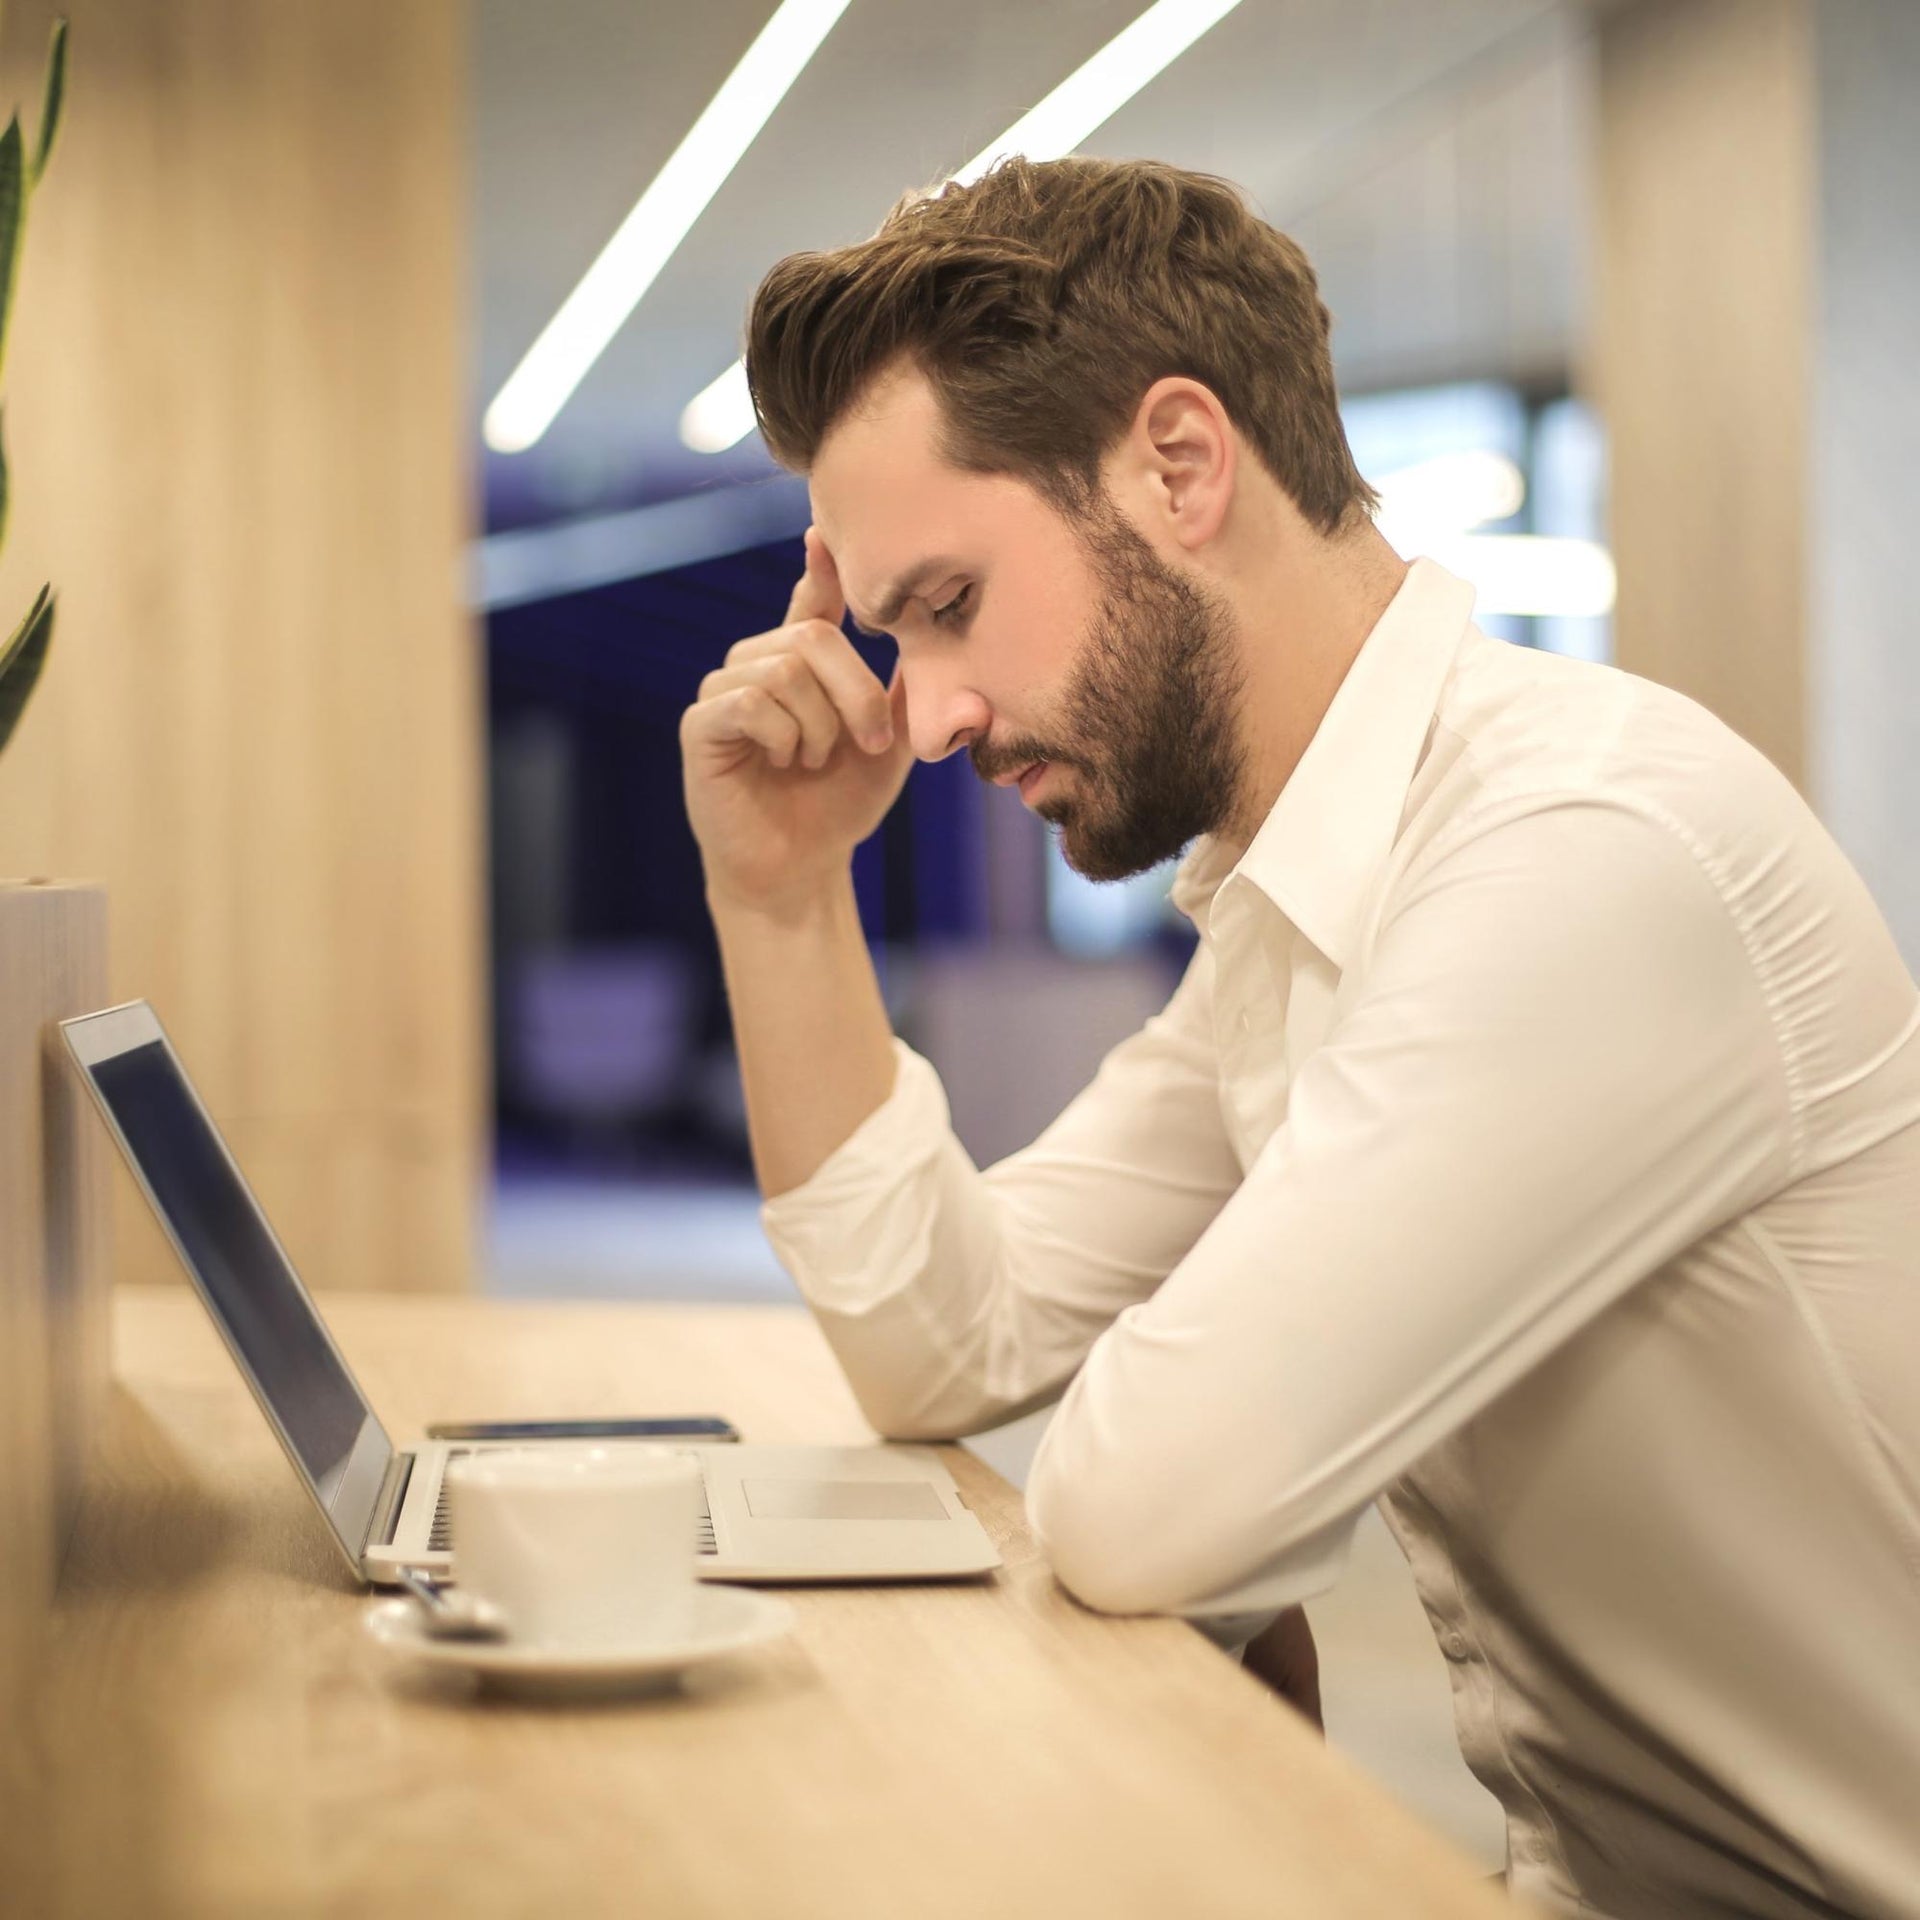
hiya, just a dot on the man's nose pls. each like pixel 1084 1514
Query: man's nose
pixel 944 714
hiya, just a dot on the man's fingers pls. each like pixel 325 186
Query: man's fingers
pixel 817 593
pixel 851 684
pixel 744 713
pixel 857 695
pixel 788 678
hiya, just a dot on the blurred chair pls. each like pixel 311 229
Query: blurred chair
pixel 601 1037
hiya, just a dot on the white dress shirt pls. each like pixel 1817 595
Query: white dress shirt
pixel 1532 1146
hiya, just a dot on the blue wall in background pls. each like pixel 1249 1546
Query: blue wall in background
pixel 611 671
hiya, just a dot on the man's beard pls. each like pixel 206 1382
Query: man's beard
pixel 1149 714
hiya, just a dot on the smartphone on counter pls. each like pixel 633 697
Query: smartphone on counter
pixel 707 1428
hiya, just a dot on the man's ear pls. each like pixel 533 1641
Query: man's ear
pixel 1184 457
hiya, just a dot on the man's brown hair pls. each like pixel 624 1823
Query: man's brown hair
pixel 1041 303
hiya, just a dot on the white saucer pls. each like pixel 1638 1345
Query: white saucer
pixel 726 1620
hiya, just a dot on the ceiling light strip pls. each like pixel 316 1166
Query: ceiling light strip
pixel 721 415
pixel 645 241
pixel 1093 93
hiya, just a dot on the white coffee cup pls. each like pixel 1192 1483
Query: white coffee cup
pixel 579 1546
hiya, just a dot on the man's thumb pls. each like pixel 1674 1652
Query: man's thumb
pixel 817 594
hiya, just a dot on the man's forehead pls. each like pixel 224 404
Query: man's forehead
pixel 892 426
pixel 896 515
pixel 892 543
pixel 883 559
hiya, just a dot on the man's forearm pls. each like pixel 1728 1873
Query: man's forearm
pixel 816 1050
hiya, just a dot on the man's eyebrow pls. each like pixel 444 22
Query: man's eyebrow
pixel 894 601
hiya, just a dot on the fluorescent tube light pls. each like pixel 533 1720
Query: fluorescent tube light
pixel 1432 508
pixel 721 415
pixel 1092 94
pixel 645 241
pixel 1525 573
pixel 1072 113
pixel 1450 493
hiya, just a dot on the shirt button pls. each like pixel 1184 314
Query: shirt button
pixel 1454 1645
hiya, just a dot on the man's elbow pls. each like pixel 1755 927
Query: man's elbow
pixel 1111 1552
pixel 1155 1541
pixel 902 1421
pixel 909 1393
pixel 927 1417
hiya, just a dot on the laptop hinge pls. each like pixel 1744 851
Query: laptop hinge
pixel 386 1509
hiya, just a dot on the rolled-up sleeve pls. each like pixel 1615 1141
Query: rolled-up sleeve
pixel 1558 1071
pixel 954 1297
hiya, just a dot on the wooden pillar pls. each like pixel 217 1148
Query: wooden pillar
pixel 1705 185
pixel 1755 360
pixel 54 1281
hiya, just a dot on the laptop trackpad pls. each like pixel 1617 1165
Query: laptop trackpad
pixel 842 1500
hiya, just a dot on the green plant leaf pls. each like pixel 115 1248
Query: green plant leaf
pixel 21 660
pixel 55 95
pixel 13 208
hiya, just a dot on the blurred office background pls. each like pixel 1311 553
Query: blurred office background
pixel 1433 160
pixel 365 695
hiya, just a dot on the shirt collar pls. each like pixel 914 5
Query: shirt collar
pixel 1320 849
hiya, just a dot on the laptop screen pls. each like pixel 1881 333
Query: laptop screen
pixel 247 1280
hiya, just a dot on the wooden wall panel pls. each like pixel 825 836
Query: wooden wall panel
pixel 1706 185
pixel 237 413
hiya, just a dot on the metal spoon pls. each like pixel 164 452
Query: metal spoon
pixel 452 1616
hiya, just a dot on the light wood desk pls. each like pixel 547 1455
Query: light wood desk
pixel 214 1734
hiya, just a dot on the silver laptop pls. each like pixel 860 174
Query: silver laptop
pixel 771 1512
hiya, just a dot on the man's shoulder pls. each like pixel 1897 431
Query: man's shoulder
pixel 1530 748
pixel 1520 731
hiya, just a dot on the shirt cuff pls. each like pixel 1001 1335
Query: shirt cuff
pixel 855 1230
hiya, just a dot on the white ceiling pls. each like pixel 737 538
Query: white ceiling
pixel 1428 153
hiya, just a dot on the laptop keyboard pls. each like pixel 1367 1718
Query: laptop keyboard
pixel 440 1534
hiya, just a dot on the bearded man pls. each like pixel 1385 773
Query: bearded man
pixel 1532 1145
